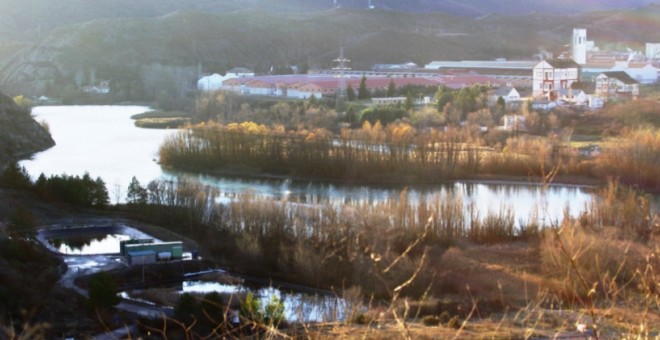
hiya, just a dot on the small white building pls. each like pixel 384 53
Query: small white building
pixel 644 73
pixel 595 102
pixel 572 96
pixel 388 100
pixel 543 105
pixel 513 123
pixel 653 50
pixel 509 94
pixel 552 75
pixel 616 84
pixel 214 81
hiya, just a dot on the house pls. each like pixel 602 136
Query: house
pixel 513 123
pixel 595 102
pixel 509 94
pixel 102 88
pixel 552 75
pixel 572 96
pixel 241 72
pixel 214 82
pixel 543 105
pixel 388 101
pixel 644 73
pixel 211 83
pixel 616 84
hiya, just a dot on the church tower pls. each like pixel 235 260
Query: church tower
pixel 579 45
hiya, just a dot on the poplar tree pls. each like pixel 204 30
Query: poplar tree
pixel 363 91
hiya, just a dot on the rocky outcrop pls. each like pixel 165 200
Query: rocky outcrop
pixel 20 134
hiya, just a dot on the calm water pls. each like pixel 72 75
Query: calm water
pixel 100 140
pixel 297 306
pixel 99 238
pixel 103 141
pixel 88 245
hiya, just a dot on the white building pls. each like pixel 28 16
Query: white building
pixel 572 96
pixel 579 45
pixel 653 50
pixel 553 75
pixel 509 94
pixel 616 84
pixel 642 73
pixel 513 123
pixel 214 81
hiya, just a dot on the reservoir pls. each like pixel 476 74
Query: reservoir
pixel 103 141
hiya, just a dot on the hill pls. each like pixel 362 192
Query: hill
pixel 144 57
pixel 20 135
pixel 33 19
pixel 136 54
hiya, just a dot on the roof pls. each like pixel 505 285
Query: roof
pixel 240 70
pixel 503 91
pixel 621 76
pixel 563 63
pixel 480 64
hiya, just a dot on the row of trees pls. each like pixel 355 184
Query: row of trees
pixel 76 190
pixel 373 151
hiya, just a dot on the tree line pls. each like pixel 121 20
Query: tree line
pixel 83 191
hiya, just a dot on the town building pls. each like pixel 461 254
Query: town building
pixel 644 73
pixel 103 87
pixel 214 81
pixel 579 46
pixel 653 50
pixel 514 72
pixel 616 85
pixel 146 251
pixel 318 86
pixel 508 94
pixel 553 75
pixel 572 96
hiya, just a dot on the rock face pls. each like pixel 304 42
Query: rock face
pixel 20 134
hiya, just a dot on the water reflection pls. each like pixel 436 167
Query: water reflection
pixel 545 204
pixel 88 244
pixel 103 141
pixel 297 306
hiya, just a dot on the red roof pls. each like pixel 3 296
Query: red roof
pixel 329 82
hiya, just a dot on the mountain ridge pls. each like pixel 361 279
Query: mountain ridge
pixel 32 19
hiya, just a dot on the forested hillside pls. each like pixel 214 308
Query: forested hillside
pixel 31 19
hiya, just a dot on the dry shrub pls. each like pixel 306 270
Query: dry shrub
pixel 623 208
pixel 161 296
pixel 585 262
pixel 634 158
pixel 495 276
pixel 431 320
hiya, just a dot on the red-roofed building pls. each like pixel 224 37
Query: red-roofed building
pixel 305 86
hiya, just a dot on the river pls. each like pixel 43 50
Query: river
pixel 103 141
